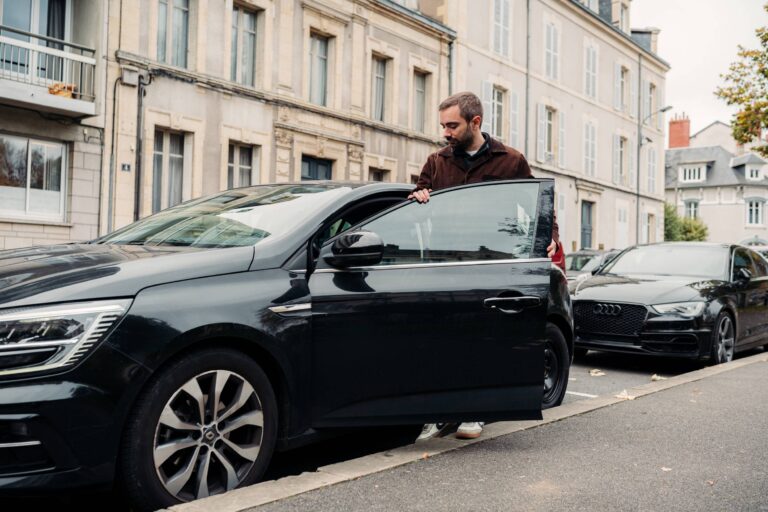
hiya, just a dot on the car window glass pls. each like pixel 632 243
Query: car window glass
pixel 578 262
pixel 761 265
pixel 494 222
pixel 741 260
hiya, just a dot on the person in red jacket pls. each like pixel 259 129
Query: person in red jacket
pixel 472 156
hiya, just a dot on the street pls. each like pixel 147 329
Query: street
pixel 616 372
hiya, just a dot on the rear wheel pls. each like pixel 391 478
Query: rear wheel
pixel 205 425
pixel 557 363
pixel 723 340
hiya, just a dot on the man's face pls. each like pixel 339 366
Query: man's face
pixel 456 130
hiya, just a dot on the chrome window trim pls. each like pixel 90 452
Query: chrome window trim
pixel 429 265
pixel 19 444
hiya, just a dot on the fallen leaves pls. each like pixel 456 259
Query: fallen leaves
pixel 666 469
pixel 596 373
pixel 655 377
pixel 624 395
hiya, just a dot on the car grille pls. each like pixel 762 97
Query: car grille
pixel 609 318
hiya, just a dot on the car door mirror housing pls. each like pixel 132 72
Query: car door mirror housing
pixel 743 275
pixel 354 249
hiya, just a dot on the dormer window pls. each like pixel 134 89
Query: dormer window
pixel 693 173
pixel 753 172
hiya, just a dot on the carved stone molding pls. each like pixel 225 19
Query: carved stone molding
pixel 283 137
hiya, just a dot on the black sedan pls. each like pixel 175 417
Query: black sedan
pixel 695 300
pixel 174 355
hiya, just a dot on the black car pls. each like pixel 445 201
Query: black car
pixel 174 355
pixel 580 264
pixel 695 300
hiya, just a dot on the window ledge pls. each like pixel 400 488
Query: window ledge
pixel 38 222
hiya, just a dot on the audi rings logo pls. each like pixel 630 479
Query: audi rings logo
pixel 607 309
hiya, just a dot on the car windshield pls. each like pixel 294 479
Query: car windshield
pixel 673 260
pixel 230 219
pixel 577 262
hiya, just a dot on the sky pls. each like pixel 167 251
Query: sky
pixel 699 39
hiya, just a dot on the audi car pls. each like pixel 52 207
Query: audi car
pixel 173 356
pixel 696 300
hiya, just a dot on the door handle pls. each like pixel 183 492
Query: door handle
pixel 512 305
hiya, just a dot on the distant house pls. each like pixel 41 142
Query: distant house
pixel 710 177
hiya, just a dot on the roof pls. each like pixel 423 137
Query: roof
pixel 710 125
pixel 720 172
pixel 747 158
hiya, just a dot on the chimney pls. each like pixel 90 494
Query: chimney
pixel 679 132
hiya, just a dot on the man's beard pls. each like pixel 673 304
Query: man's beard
pixel 462 143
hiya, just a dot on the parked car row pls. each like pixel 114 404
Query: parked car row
pixel 175 355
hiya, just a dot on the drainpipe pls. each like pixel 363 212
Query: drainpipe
pixel 451 65
pixel 639 144
pixel 112 149
pixel 139 155
pixel 527 71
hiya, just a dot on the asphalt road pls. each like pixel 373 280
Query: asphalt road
pixel 616 372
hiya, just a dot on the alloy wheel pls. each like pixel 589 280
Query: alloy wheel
pixel 208 436
pixel 725 340
pixel 551 370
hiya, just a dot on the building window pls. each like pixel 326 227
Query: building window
pixel 692 209
pixel 755 212
pixel 375 174
pixel 240 165
pixel 590 149
pixel 624 18
pixel 497 113
pixel 378 88
pixel 318 69
pixel 689 173
pixel 32 178
pixel 243 54
pixel 622 88
pixel 419 100
pixel 648 102
pixel 551 135
pixel 551 51
pixel 414 179
pixel 753 173
pixel 501 27
pixel 621 160
pixel 173 32
pixel 316 168
pixel 167 170
pixel 590 71
pixel 652 170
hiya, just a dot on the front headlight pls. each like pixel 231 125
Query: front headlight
pixel 686 309
pixel 44 338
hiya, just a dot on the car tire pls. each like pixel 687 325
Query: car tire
pixel 723 340
pixel 167 447
pixel 578 353
pixel 557 363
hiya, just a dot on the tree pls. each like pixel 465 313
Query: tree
pixel 682 229
pixel 747 88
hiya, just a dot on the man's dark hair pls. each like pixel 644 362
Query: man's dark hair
pixel 468 102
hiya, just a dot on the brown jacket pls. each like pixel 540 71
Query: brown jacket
pixel 498 162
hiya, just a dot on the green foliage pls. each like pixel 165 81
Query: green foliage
pixel 677 228
pixel 747 88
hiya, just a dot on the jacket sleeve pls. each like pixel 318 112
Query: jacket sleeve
pixel 427 172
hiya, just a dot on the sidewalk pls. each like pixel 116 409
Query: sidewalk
pixel 693 442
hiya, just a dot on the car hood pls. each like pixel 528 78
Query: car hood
pixel 645 289
pixel 69 272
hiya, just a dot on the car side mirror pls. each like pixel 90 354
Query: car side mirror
pixel 354 249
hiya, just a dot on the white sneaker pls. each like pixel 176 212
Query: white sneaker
pixel 431 430
pixel 470 430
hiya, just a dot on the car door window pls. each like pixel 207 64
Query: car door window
pixel 492 222
pixel 741 260
pixel 761 265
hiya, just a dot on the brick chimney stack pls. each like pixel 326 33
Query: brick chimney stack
pixel 679 131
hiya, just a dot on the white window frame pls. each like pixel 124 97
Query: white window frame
pixel 26 214
pixel 169 55
pixel 590 148
pixel 692 173
pixel 501 24
pixel 237 55
pixel 755 210
pixel 550 139
pixel 420 100
pixel 234 167
pixel 494 108
pixel 379 85
pixel 691 208
pixel 754 173
pixel 590 70
pixel 319 66
pixel 652 170
pixel 164 188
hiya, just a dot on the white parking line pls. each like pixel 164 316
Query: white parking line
pixel 585 395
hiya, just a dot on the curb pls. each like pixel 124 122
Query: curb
pixel 268 492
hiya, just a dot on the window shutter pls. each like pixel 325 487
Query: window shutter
pixel 633 106
pixel 542 132
pixel 644 229
pixel 616 162
pixel 487 125
pixel 586 148
pixel 586 70
pixel 593 149
pixel 659 104
pixel 632 157
pixel 555 53
pixel 561 141
pixel 513 114
pixel 617 99
pixel 505 24
pixel 644 99
pixel 652 170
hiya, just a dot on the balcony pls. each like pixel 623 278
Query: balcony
pixel 51 76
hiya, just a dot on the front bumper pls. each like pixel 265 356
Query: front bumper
pixel 63 431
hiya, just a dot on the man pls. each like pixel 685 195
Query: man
pixel 471 156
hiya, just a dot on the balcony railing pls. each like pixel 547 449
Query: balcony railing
pixel 65 69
